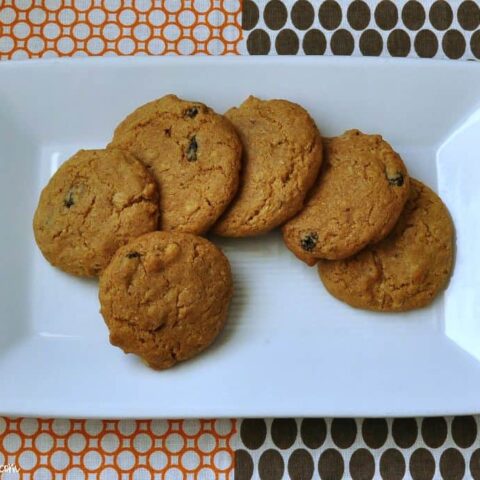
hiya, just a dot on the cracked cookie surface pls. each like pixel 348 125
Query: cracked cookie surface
pixel 408 268
pixel 193 153
pixel 356 201
pixel 165 296
pixel 282 156
pixel 97 201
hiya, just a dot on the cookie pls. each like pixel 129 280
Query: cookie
pixel 282 156
pixel 356 201
pixel 193 153
pixel 165 296
pixel 97 201
pixel 407 269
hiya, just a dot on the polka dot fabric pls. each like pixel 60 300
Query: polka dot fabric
pixel 445 448
pixel 55 28
pixel 44 449
pixel 400 28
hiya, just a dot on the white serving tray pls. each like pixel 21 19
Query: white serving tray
pixel 289 349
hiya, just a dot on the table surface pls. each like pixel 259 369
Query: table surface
pixel 413 448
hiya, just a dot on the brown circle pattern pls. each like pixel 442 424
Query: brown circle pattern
pixel 392 465
pixel 407 28
pixel 444 448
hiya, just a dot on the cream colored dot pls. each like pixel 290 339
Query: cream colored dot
pixel 51 31
pixel 20 54
pixel 21 30
pixel 215 47
pixel 125 460
pixel 108 474
pixel 61 426
pixel 23 4
pixel 44 442
pixel 171 32
pixel 173 6
pixel 60 460
pixel 110 442
pixel 76 442
pixel 75 473
pixel 95 45
pixel 231 33
pixel 28 426
pixel 112 5
pixel 92 460
pixel 143 5
pixel 142 442
pixel 222 460
pixel 27 460
pixel 7 15
pixel 80 53
pixel 202 6
pixel 201 33
pixel 156 18
pixel 35 44
pixel 191 427
pixel 82 5
pixel 141 474
pixel 42 474
pixel 126 46
pixel 53 5
pixel 223 427
pixel 206 474
pixel 231 6
pixel 174 442
pixel 174 474
pixel 206 443
pixel 111 31
pixel 142 32
pixel 66 16
pixel 216 18
pixel 186 18
pixel 49 54
pixel 6 44
pixel 37 16
pixel 97 16
pixel 186 46
pixel 127 427
pixel 158 460
pixel 93 427
pixel 65 45
pixel 190 460
pixel 127 17
pixel 82 31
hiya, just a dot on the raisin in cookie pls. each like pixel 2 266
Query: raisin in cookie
pixel 358 197
pixel 97 201
pixel 193 153
pixel 407 269
pixel 165 296
pixel 282 156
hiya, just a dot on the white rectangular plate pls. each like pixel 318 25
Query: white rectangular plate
pixel 289 349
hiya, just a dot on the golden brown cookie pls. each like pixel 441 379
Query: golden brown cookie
pixel 165 296
pixel 407 269
pixel 358 197
pixel 193 153
pixel 282 156
pixel 97 201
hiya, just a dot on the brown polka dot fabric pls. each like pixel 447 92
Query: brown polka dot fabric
pixel 432 448
pixel 400 28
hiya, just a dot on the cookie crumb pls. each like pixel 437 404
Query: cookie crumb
pixel 396 180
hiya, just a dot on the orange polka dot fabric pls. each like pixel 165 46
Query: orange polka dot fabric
pixel 56 28
pixel 47 449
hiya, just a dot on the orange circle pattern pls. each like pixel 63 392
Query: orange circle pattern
pixel 56 28
pixel 119 449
